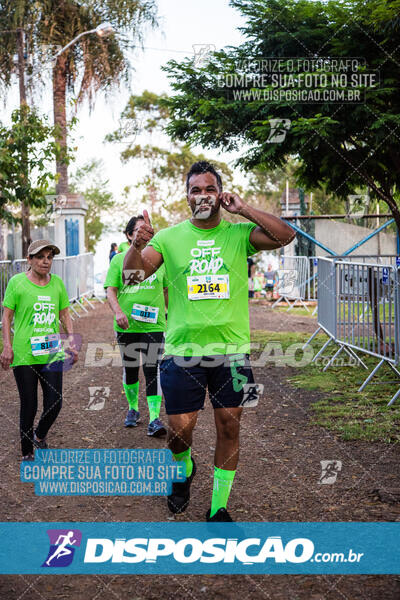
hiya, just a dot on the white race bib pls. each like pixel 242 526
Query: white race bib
pixel 147 314
pixel 46 344
pixel 208 287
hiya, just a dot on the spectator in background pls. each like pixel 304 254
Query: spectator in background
pixel 113 251
pixel 250 273
pixel 258 284
pixel 270 280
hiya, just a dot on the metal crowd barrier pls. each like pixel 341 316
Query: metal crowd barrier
pixel 305 278
pixel 359 309
pixel 58 267
pixel 77 272
pixel 293 277
pixel 5 275
pixel 86 276
pixel 312 282
pixel 19 266
pixel 382 259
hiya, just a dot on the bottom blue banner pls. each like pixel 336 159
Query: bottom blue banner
pixel 214 548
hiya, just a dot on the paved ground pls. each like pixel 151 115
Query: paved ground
pixel 277 480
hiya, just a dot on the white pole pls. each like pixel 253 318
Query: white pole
pixel 287 197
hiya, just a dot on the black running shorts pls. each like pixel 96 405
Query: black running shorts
pixel 185 380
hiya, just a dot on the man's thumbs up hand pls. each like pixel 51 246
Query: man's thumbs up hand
pixel 143 232
pixel 146 217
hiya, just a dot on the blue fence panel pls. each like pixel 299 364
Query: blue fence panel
pixel 72 237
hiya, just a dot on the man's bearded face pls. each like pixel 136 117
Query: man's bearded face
pixel 204 206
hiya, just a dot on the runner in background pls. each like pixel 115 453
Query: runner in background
pixel 113 251
pixel 270 280
pixel 37 300
pixel 258 284
pixel 250 273
pixel 208 334
pixel 139 323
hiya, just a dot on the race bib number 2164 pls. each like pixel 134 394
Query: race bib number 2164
pixel 208 287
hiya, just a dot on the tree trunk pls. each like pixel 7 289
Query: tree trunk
pixel 60 120
pixel 387 196
pixel 26 227
pixel 395 210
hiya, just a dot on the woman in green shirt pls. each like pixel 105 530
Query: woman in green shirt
pixel 37 300
pixel 139 324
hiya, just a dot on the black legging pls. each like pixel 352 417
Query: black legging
pixel 27 378
pixel 149 345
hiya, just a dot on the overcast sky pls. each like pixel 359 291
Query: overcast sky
pixel 182 24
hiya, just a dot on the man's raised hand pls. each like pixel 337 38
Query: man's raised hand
pixel 143 232
pixel 146 217
pixel 231 202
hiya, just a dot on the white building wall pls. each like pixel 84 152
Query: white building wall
pixel 340 236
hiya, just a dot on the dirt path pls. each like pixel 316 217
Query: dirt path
pixel 262 316
pixel 277 480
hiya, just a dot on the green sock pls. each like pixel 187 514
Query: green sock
pixel 223 481
pixel 132 394
pixel 154 403
pixel 186 458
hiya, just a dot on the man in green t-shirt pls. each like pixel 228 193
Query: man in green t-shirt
pixel 139 324
pixel 208 335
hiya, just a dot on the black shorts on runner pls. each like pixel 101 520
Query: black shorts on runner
pixel 227 379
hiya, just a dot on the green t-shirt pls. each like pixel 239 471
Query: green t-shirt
pixel 144 300
pixel 208 311
pixel 123 247
pixel 36 315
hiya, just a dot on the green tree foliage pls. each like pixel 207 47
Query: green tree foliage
pixel 165 168
pixel 341 148
pixel 51 24
pixel 96 63
pixel 27 148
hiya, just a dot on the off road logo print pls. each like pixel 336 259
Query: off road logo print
pixel 206 261
pixel 128 278
pixel 44 313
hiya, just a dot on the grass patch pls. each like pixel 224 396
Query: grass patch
pixel 299 310
pixel 360 312
pixel 352 415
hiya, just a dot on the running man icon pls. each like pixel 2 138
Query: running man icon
pixel 62 549
pixel 62 542
pixel 330 470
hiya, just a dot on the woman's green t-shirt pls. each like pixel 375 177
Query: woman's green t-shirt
pixel 36 319
pixel 143 303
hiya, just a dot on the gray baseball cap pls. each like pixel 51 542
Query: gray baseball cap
pixel 38 245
